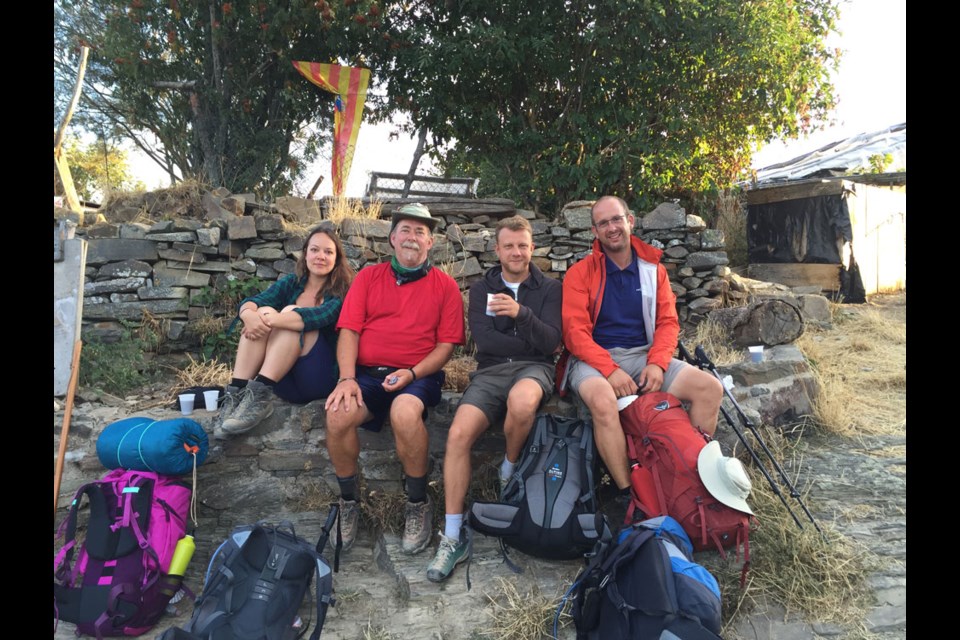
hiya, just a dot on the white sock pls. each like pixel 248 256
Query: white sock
pixel 506 468
pixel 452 524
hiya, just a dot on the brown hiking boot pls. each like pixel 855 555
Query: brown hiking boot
pixel 417 527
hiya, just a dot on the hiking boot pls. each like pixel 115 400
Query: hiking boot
pixel 450 553
pixel 256 404
pixel 417 527
pixel 231 398
pixel 349 523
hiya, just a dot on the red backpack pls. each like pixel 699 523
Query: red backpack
pixel 663 447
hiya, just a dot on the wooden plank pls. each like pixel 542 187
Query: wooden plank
pixel 466 207
pixel 419 178
pixel 796 191
pixel 825 276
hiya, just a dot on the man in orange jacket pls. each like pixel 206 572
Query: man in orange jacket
pixel 621 328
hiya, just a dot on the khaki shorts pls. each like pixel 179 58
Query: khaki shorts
pixel 630 360
pixel 489 387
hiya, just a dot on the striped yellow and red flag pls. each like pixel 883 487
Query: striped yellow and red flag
pixel 350 85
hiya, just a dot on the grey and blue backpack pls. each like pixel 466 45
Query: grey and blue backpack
pixel 257 581
pixel 549 507
pixel 645 585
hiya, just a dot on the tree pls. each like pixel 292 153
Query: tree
pixel 98 168
pixel 566 99
pixel 211 82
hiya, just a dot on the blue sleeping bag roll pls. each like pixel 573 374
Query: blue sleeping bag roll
pixel 145 444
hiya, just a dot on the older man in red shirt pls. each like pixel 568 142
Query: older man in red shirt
pixel 399 324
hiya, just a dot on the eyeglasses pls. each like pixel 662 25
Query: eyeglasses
pixel 614 220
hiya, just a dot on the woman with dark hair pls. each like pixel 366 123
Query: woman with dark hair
pixel 288 341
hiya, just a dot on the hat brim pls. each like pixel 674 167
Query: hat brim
pixel 711 474
pixel 625 401
pixel 397 217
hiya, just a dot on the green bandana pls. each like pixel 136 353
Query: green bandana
pixel 405 275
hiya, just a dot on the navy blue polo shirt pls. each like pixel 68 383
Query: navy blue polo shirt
pixel 620 323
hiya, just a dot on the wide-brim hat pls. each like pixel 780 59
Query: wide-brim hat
pixel 413 211
pixel 724 477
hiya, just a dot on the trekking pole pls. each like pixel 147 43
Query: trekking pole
pixel 733 425
pixel 706 363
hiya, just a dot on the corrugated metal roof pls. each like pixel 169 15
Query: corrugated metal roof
pixel 841 157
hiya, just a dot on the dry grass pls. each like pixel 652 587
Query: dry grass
pixel 312 495
pixel 861 370
pixel 183 200
pixel 458 371
pixel 209 325
pixel 716 342
pixel 205 373
pixel 821 578
pixel 732 221
pixel 339 208
pixel 522 616
pixel 375 632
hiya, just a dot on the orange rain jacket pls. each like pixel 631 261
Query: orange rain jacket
pixel 583 288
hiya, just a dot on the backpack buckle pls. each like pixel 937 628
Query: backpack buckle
pixel 604 582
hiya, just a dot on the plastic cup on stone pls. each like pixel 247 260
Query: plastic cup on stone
pixel 210 399
pixel 756 353
pixel 186 403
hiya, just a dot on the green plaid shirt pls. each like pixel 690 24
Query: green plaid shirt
pixel 285 291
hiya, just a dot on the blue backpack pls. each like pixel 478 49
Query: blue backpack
pixel 646 585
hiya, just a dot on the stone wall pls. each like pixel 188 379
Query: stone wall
pixel 166 267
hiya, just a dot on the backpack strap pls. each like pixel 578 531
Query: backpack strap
pixel 620 554
pixel 68 529
pixel 587 490
pixel 535 441
pixel 651 460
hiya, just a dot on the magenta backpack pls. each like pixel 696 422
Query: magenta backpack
pixel 119 585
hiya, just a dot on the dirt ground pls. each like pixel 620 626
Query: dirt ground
pixel 425 607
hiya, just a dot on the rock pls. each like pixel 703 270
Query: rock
pixel 667 215
pixel 104 250
pixel 241 228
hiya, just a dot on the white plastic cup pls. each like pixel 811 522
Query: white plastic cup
pixel 489 300
pixel 756 353
pixel 210 399
pixel 186 403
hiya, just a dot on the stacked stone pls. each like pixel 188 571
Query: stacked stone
pixel 692 254
pixel 162 268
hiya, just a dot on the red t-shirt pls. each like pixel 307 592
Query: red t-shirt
pixel 400 324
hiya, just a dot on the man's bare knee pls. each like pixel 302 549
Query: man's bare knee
pixel 599 397
pixel 341 422
pixel 468 423
pixel 524 398
pixel 406 413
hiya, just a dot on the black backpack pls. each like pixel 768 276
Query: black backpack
pixel 549 507
pixel 646 585
pixel 256 582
